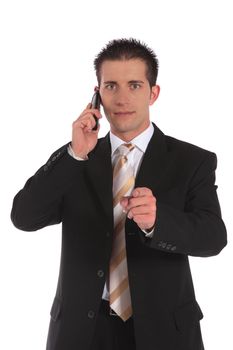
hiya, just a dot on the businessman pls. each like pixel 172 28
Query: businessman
pixel 133 206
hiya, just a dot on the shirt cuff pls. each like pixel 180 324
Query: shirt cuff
pixel 71 153
pixel 149 234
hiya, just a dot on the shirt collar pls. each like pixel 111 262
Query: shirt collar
pixel 141 141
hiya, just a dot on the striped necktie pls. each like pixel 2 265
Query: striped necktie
pixel 123 184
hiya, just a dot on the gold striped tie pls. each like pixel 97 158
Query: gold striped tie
pixel 123 184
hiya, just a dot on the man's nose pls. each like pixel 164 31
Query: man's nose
pixel 122 97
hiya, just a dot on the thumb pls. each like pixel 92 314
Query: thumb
pixel 124 202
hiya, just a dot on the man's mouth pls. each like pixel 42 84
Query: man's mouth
pixel 124 113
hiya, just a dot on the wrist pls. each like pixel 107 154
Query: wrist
pixel 77 155
pixel 149 232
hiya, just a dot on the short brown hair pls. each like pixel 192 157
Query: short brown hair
pixel 126 49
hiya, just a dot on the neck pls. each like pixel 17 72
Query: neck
pixel 129 135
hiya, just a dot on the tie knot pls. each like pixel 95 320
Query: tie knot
pixel 125 148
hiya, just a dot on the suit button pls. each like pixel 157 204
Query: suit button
pixel 108 234
pixel 91 314
pixel 173 248
pixel 100 273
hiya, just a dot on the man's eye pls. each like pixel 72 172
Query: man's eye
pixel 135 86
pixel 110 86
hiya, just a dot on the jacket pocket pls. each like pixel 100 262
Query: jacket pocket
pixel 187 315
pixel 55 309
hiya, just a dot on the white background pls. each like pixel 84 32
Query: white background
pixel 47 79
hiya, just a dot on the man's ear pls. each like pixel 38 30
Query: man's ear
pixel 155 90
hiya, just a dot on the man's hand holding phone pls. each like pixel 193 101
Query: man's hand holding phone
pixel 84 138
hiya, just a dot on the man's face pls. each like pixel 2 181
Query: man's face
pixel 126 96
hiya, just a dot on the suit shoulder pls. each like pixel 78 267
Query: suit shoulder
pixel 189 149
pixel 186 153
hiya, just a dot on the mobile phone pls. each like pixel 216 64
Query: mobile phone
pixel 95 103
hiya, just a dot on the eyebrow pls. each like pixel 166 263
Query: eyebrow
pixel 129 82
pixel 136 81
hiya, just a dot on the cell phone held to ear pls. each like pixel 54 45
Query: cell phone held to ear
pixel 95 103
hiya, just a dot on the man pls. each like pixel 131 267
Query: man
pixel 133 206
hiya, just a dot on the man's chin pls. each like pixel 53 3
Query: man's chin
pixel 127 132
pixel 122 129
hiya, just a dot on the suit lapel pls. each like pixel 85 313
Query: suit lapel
pixel 99 171
pixel 155 162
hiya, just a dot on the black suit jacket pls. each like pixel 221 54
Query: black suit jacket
pixel 79 194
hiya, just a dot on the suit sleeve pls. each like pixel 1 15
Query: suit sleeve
pixel 40 202
pixel 198 230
